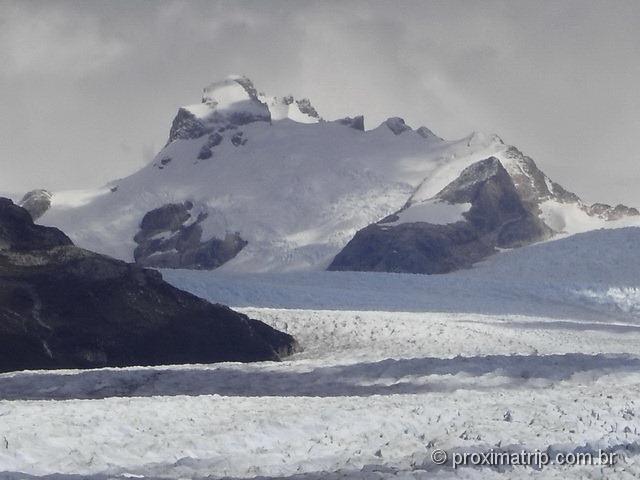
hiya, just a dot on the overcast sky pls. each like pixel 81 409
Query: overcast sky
pixel 88 89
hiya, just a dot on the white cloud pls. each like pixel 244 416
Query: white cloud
pixel 45 41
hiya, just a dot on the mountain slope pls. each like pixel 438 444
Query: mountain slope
pixel 272 187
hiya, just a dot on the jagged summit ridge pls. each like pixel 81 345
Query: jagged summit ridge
pixel 234 102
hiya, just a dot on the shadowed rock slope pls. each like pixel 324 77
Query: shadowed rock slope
pixel 171 237
pixel 65 307
pixel 497 217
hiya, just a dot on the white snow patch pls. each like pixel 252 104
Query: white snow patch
pixel 200 110
pixel 281 110
pixel 67 199
pixel 569 218
pixel 432 211
pixel 226 94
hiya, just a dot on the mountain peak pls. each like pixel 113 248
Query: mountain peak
pixel 225 93
pixel 230 102
pixel 235 101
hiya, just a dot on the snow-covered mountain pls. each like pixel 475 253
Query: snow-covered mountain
pixel 248 182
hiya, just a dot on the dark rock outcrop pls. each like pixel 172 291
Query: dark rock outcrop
pixel 19 233
pixel 304 105
pixel 397 125
pixel 412 248
pixel 170 237
pixel 355 122
pixel 205 153
pixel 609 213
pixel 424 132
pixel 65 307
pixel 207 149
pixel 186 125
pixel 36 202
pixel 497 218
pixel 497 211
pixel 237 139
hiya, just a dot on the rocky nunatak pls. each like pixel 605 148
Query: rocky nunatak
pixel 65 307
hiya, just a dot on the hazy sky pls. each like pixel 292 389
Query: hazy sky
pixel 88 89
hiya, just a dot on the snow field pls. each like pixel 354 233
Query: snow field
pixel 371 388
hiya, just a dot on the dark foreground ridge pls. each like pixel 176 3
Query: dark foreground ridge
pixel 65 307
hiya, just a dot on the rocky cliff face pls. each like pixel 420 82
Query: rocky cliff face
pixel 533 186
pixel 65 307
